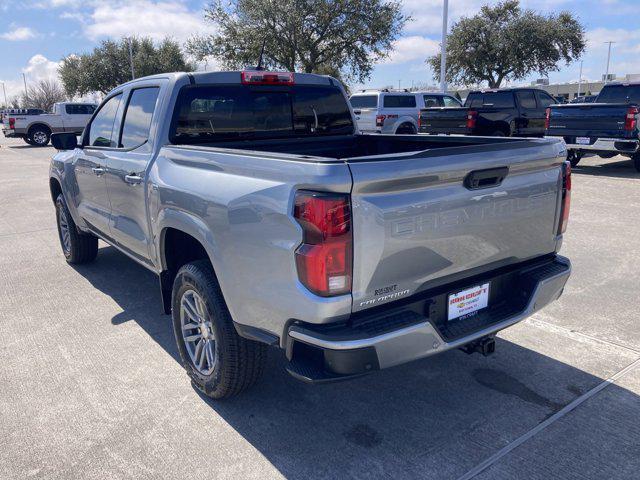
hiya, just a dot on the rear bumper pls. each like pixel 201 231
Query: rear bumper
pixel 618 145
pixel 406 334
pixel 11 133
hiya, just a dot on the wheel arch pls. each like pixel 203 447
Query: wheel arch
pixel 55 188
pixel 183 238
pixel 39 124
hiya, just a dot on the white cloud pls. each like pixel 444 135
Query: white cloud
pixel 144 18
pixel 38 68
pixel 17 34
pixel 412 48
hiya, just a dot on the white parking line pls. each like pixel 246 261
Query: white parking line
pixel 541 426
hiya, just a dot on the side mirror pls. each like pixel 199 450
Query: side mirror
pixel 64 141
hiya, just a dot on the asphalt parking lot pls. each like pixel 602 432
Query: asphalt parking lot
pixel 91 387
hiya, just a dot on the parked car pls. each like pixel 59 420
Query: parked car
pixel 584 99
pixel 497 113
pixel 36 128
pixel 270 220
pixel 394 111
pixel 607 127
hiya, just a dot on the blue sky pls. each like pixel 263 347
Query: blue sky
pixel 36 34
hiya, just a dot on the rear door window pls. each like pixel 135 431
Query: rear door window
pixel 79 109
pixel 526 99
pixel 137 118
pixel 399 101
pixel 101 129
pixel 364 101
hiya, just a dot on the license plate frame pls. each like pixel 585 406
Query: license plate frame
pixel 468 301
pixel 583 140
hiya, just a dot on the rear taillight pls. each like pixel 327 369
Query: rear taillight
pixel 631 120
pixel 472 116
pixel 566 197
pixel 12 123
pixel 380 120
pixel 547 118
pixel 324 258
pixel 259 77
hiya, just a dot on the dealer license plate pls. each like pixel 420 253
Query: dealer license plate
pixel 583 140
pixel 468 301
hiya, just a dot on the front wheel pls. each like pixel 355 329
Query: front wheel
pixel 77 247
pixel 219 362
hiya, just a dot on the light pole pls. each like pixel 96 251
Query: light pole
pixel 5 96
pixel 606 75
pixel 443 53
pixel 580 78
pixel 133 75
pixel 26 93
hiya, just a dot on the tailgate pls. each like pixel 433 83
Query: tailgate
pixel 416 225
pixel 444 120
pixel 366 118
pixel 588 120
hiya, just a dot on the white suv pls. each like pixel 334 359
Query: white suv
pixel 395 111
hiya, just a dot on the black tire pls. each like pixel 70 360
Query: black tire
pixel 636 161
pixel 40 136
pixel 239 362
pixel 498 133
pixel 81 247
pixel 28 141
pixel 406 129
pixel 574 158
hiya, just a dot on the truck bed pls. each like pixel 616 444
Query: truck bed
pixel 417 221
pixel 355 146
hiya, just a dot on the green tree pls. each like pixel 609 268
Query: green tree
pixel 343 38
pixel 108 65
pixel 504 42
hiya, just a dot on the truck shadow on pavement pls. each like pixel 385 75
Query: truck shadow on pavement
pixel 433 418
pixel 607 168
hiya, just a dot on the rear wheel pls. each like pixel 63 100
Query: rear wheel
pixel 77 247
pixel 406 129
pixel 636 161
pixel 498 133
pixel 28 140
pixel 574 157
pixel 39 136
pixel 219 362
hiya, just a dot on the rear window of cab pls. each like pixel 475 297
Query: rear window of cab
pixel 209 113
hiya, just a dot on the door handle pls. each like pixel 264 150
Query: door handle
pixel 98 170
pixel 133 179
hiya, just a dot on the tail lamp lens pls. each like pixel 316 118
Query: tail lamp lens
pixel 547 118
pixel 12 123
pixel 324 259
pixel 630 120
pixel 566 197
pixel 471 119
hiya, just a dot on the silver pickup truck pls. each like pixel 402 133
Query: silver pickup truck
pixel 270 221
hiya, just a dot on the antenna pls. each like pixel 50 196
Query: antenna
pixel 259 67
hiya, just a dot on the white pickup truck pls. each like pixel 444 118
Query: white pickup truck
pixel 37 129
